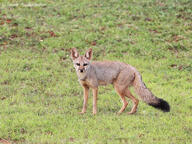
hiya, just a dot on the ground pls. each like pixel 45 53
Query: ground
pixel 40 96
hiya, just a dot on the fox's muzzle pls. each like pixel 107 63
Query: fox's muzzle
pixel 81 69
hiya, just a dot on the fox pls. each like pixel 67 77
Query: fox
pixel 92 74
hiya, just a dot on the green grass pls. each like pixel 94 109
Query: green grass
pixel 40 96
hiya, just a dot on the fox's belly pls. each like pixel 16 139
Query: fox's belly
pixel 102 82
pixel 107 78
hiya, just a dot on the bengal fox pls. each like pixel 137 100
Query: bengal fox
pixel 121 75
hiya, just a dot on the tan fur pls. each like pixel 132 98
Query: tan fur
pixel 121 75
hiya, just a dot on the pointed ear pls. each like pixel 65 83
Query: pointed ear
pixel 74 53
pixel 88 54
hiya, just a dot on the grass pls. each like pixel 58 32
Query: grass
pixel 40 96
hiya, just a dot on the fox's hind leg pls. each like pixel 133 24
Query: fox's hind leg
pixel 121 92
pixel 135 101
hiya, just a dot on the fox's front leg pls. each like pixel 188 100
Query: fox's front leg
pixel 95 92
pixel 86 94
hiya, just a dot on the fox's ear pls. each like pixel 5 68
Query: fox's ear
pixel 74 53
pixel 88 54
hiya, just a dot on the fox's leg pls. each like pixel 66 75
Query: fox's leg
pixel 121 93
pixel 135 101
pixel 95 92
pixel 86 93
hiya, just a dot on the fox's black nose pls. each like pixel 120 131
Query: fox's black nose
pixel 81 70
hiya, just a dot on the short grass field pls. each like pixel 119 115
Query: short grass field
pixel 40 96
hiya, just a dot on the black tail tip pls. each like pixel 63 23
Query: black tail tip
pixel 162 105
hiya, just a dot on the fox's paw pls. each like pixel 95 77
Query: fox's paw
pixel 81 112
pixel 118 113
pixel 94 113
pixel 131 112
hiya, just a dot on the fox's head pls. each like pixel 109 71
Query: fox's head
pixel 81 63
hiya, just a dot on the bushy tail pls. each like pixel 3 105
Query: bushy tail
pixel 147 96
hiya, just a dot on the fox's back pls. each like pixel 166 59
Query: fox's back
pixel 108 71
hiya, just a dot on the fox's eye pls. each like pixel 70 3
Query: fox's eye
pixel 85 64
pixel 78 64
